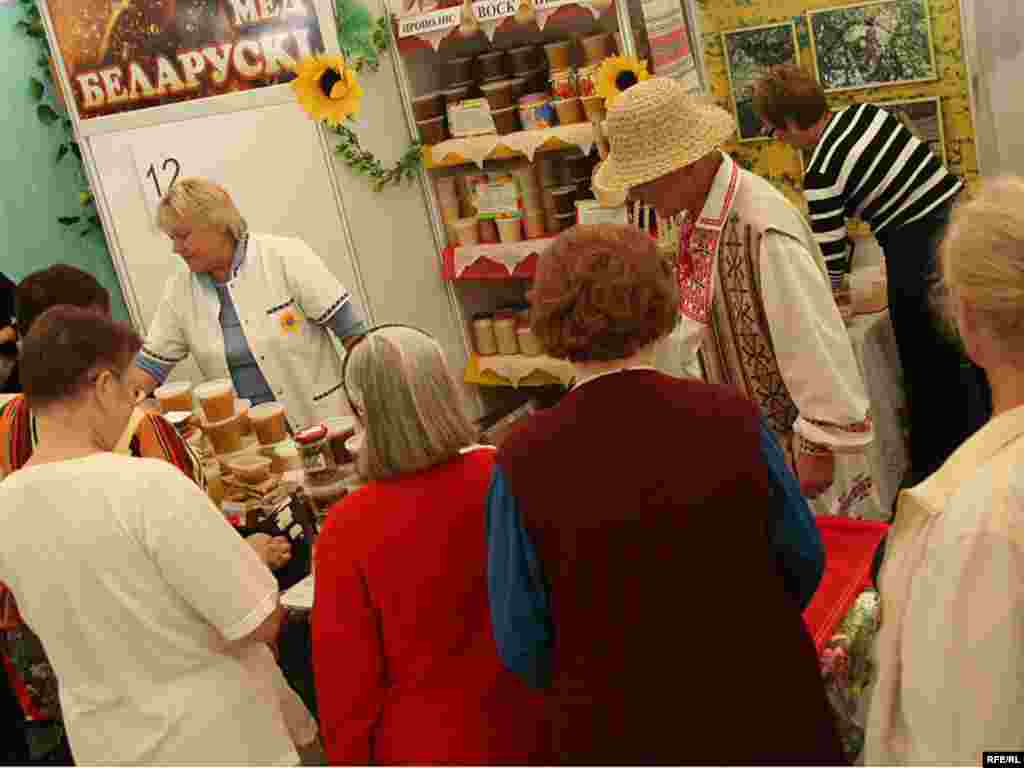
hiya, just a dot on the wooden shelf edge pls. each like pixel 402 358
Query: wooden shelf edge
pixel 474 375
pixel 486 269
pixel 501 152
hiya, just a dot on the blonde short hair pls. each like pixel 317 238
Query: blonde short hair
pixel 405 396
pixel 200 202
pixel 982 259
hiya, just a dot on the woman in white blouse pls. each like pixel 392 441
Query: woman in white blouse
pixel 252 307
pixel 154 613
pixel 951 645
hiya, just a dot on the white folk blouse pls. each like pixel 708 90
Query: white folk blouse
pixel 284 295
pixel 950 651
pixel 809 340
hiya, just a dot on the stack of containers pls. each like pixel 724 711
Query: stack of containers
pixel 578 170
pixel 506 332
pixel 224 419
pixel 271 428
pixel 430 117
pixel 500 90
pixel 531 196
pixel 563 82
pixel 596 49
pixel 451 211
pixel 535 110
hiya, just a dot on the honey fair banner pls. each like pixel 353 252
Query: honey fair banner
pixel 125 55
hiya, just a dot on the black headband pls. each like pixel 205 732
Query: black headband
pixel 358 341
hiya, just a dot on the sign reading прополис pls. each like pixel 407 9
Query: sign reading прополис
pixel 125 55
pixel 1002 758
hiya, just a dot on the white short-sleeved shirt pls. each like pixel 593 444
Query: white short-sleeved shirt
pixel 135 585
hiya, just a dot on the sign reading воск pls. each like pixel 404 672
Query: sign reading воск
pixel 132 54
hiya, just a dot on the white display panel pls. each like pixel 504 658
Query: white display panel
pixel 271 160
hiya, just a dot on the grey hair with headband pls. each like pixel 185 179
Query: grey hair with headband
pixel 403 393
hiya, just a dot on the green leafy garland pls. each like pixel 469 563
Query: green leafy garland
pixel 362 41
pixel 42 87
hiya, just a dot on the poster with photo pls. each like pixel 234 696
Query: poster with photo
pixel 126 55
pixel 873 44
pixel 750 53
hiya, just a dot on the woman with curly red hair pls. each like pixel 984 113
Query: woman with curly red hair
pixel 627 565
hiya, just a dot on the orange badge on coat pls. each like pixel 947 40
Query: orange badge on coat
pixel 289 322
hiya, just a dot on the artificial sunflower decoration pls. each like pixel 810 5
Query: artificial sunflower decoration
pixel 327 88
pixel 617 73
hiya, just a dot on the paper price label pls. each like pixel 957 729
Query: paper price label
pixel 498 199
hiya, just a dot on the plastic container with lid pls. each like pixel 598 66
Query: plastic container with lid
pixel 505 333
pixel 284 457
pixel 268 420
pixel 227 459
pixel 483 335
pixel 318 462
pixel 217 399
pixel 175 397
pixel 225 436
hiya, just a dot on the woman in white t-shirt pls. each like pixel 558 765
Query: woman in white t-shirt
pixel 154 613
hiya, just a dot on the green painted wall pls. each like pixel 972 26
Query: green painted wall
pixel 34 190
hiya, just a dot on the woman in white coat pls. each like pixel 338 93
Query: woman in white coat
pixel 253 308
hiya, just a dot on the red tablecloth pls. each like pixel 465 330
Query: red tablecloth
pixel 849 550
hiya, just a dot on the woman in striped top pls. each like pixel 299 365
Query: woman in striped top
pixel 865 163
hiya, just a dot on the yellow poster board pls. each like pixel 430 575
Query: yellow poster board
pixel 782 165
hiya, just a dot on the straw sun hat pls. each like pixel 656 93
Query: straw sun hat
pixel 655 128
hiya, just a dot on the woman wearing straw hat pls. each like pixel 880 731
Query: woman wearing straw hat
pixel 753 294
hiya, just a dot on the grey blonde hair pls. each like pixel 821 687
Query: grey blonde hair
pixel 982 259
pixel 406 399
pixel 200 202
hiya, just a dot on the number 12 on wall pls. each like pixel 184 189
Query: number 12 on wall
pixel 169 164
pixel 156 174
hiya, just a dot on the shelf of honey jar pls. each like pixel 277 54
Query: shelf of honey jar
pixel 513 102
pixel 497 220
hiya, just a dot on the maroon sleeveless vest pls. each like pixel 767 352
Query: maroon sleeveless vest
pixel 647 499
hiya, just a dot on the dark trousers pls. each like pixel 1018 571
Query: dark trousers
pixel 13 743
pixel 948 396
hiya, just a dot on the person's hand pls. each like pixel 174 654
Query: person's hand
pixel 815 472
pixel 8 334
pixel 275 552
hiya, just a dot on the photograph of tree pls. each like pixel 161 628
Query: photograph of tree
pixel 924 119
pixel 861 46
pixel 749 53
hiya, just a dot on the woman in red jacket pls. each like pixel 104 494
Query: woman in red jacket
pixel 407 669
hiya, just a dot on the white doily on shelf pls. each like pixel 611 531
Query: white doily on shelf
pixel 477 148
pixel 509 255
pixel 596 8
pixel 515 368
